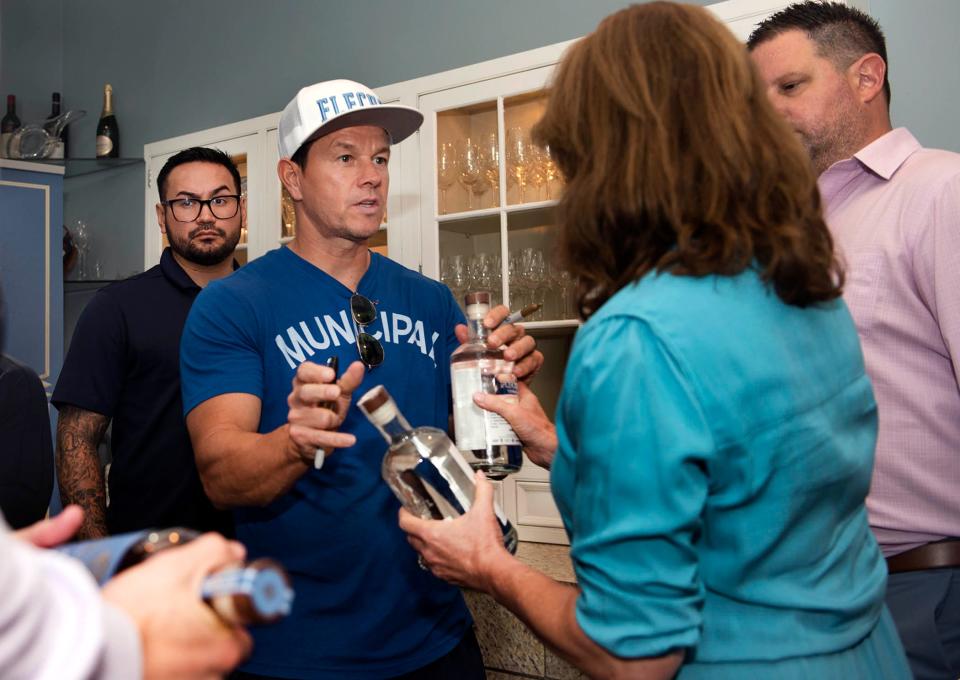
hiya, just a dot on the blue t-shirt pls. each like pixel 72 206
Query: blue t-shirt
pixel 716 448
pixel 363 607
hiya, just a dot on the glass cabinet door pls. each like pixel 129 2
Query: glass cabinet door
pixel 489 196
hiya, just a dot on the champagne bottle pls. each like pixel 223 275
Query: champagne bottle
pixel 60 146
pixel 486 439
pixel 8 126
pixel 257 592
pixel 108 134
pixel 423 468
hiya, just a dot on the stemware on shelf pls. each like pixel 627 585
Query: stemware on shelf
pixel 551 173
pixel 81 237
pixel 518 153
pixel 471 170
pixel 446 171
pixel 490 162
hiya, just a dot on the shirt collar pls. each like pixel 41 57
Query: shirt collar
pixel 884 156
pixel 174 273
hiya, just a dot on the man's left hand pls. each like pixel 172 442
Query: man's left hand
pixel 519 347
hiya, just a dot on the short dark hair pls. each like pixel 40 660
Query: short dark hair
pixel 841 33
pixel 196 154
pixel 300 155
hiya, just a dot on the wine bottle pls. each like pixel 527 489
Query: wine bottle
pixel 108 134
pixel 423 468
pixel 486 439
pixel 8 126
pixel 60 146
pixel 257 592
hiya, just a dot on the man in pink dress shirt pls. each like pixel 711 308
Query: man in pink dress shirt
pixel 894 210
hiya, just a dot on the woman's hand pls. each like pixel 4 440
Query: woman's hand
pixel 467 551
pixel 528 419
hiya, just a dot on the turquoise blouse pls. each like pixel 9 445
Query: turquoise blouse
pixel 716 447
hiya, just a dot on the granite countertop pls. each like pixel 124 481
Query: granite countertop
pixel 552 560
pixel 510 651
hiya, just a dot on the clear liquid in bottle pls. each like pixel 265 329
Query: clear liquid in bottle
pixel 486 439
pixel 423 468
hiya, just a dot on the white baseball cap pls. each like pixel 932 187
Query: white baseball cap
pixel 320 109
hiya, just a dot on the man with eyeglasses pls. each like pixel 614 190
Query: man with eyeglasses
pixel 264 412
pixel 123 364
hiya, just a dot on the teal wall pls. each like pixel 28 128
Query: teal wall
pixel 182 65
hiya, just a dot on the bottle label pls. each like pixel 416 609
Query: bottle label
pixel 104 145
pixel 102 556
pixel 477 428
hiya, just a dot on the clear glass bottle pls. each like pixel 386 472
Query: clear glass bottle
pixel 423 468
pixel 257 592
pixel 486 439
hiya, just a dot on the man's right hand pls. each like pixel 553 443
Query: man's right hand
pixel 528 419
pixel 182 637
pixel 318 405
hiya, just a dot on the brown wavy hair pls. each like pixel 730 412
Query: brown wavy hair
pixel 676 162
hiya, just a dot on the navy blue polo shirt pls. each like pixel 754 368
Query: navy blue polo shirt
pixel 124 362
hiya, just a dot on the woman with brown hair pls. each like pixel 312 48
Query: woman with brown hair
pixel 715 434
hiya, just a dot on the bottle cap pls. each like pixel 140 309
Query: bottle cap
pixel 378 406
pixel 477 297
pixel 477 304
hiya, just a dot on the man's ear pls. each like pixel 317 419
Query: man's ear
pixel 290 176
pixel 161 218
pixel 869 73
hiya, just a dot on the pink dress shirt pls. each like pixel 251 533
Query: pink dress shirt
pixel 894 211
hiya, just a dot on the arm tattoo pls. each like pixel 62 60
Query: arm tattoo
pixel 79 473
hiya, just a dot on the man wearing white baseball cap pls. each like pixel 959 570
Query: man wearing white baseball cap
pixel 363 608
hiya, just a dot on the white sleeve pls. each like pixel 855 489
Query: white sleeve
pixel 53 622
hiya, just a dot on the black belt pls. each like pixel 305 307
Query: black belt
pixel 945 553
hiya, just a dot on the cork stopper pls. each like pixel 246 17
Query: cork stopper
pixel 477 297
pixel 477 304
pixel 378 406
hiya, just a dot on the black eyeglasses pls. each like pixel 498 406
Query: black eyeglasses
pixel 188 209
pixel 364 313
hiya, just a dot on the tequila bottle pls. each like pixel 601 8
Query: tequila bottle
pixel 423 468
pixel 486 439
pixel 257 592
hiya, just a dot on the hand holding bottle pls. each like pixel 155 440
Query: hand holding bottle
pixel 526 416
pixel 182 637
pixel 312 422
pixel 519 347
pixel 467 551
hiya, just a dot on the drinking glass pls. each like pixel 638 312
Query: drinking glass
pixel 471 169
pixel 81 237
pixel 518 158
pixel 490 162
pixel 446 172
pixel 551 172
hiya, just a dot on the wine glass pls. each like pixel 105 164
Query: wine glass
pixel 446 172
pixel 518 158
pixel 551 173
pixel 490 161
pixel 534 167
pixel 81 237
pixel 470 168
